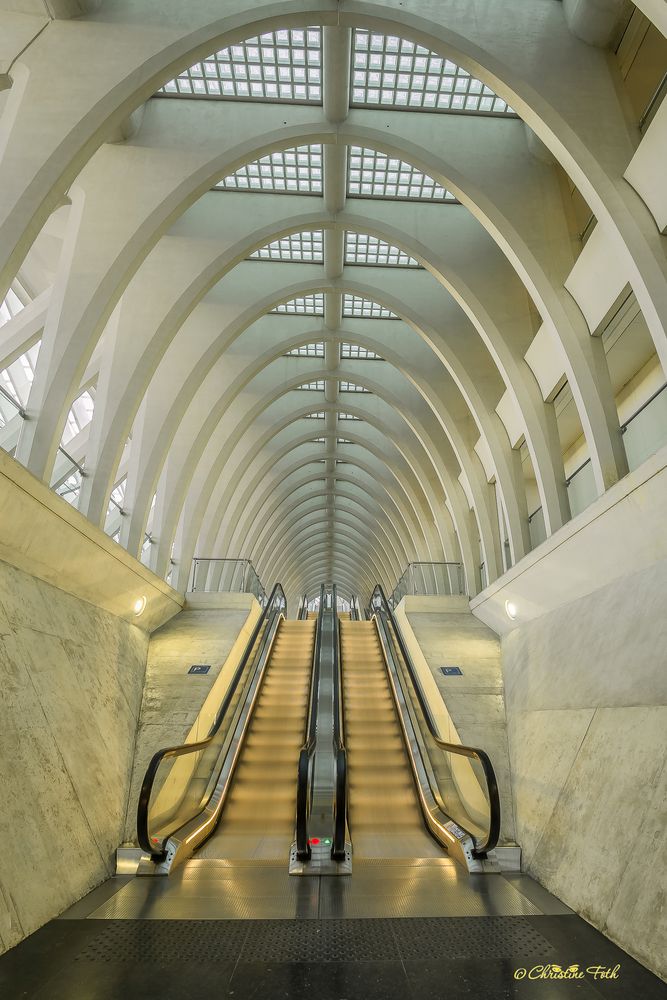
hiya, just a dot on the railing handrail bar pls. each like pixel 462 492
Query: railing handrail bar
pixel 184 748
pixel 647 402
pixel 475 753
pixel 340 753
pixel 568 479
pixel 304 775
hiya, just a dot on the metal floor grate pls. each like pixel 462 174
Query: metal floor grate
pixel 363 940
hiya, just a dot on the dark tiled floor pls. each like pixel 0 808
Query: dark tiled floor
pixel 440 959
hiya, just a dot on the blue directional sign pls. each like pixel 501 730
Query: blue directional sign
pixel 199 668
pixel 451 671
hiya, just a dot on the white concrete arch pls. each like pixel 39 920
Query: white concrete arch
pixel 272 470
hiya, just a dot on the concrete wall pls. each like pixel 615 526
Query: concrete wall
pixel 447 634
pixel 179 707
pixel 586 700
pixel 586 691
pixel 72 662
pixel 72 676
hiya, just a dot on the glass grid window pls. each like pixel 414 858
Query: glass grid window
pixel 281 65
pixel 343 441
pixel 297 170
pixel 362 249
pixel 372 174
pixel 345 386
pixel 358 353
pixel 394 72
pixel 16 381
pixel 303 248
pixel 315 416
pixel 348 416
pixel 10 307
pixel 315 386
pixel 354 305
pixel 304 305
pixel 319 441
pixel 306 351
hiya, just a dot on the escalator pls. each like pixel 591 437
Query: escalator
pixel 232 795
pixel 383 809
pixel 258 818
pixel 411 793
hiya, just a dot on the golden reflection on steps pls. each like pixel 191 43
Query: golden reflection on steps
pixel 258 819
pixel 384 815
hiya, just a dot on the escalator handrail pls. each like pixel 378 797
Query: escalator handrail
pixel 304 769
pixel 465 751
pixel 276 597
pixel 340 753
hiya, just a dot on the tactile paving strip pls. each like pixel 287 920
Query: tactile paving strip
pixel 210 941
pixel 166 941
pixel 469 937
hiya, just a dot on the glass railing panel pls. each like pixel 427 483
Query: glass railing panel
pixel 581 489
pixel 646 431
pixel 184 781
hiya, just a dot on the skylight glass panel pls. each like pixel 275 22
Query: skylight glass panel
pixel 304 248
pixel 80 414
pixel 10 307
pixel 18 377
pixel 372 174
pixel 70 488
pixel 354 305
pixel 304 305
pixel 394 72
pixel 348 416
pixel 363 249
pixel 315 416
pixel 297 170
pixel 358 353
pixel 315 386
pixel 306 351
pixel 319 441
pixel 346 386
pixel 343 441
pixel 281 65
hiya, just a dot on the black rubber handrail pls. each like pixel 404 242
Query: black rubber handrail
pixel 156 848
pixel 304 784
pixel 465 751
pixel 340 754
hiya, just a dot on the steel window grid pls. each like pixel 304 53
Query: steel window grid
pixel 317 385
pixel 298 170
pixel 302 305
pixel 306 351
pixel 372 174
pixel 356 307
pixel 362 249
pixel 282 66
pixel 355 352
pixel 303 248
pixel 388 71
pixel 345 386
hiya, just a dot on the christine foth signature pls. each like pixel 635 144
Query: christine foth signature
pixel 571 972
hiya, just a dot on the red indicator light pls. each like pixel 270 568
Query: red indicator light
pixel 156 840
pixel 314 840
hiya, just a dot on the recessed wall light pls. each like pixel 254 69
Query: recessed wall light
pixel 511 610
pixel 139 605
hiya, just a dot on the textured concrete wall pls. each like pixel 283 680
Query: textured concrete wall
pixel 178 707
pixel 70 692
pixel 448 634
pixel 586 693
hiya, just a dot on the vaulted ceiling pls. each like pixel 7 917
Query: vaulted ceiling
pixel 307 280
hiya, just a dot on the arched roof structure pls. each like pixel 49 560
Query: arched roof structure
pixel 185 140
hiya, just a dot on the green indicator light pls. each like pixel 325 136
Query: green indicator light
pixel 327 841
